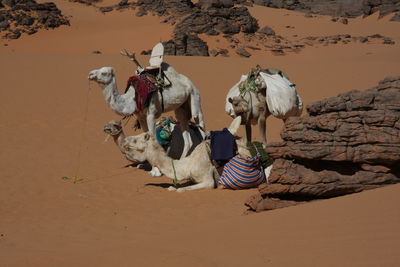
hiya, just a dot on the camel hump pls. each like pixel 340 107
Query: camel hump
pixel 157 55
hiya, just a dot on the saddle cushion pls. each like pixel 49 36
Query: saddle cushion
pixel 144 89
pixel 242 172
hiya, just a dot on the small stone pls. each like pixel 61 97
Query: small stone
pixel 388 41
pixel 241 51
pixel 106 9
pixel 344 21
pixel 96 52
pixel 267 31
pixel 213 53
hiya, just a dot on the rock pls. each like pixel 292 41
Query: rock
pixel 106 9
pixel 347 144
pixel 206 4
pixel 351 8
pixel 267 31
pixel 218 20
pixel 241 51
pixel 123 3
pixel 184 45
pixel 388 41
pixel 344 21
pixel 96 52
pixel 196 46
pixel 23 14
pixel 213 53
pixel 396 17
pixel 363 39
pixel 4 25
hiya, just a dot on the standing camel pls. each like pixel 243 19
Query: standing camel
pixel 271 94
pixel 182 97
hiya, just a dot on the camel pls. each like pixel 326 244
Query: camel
pixel 255 106
pixel 196 167
pixel 182 97
pixel 114 129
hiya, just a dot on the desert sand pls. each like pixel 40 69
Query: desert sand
pixel 51 127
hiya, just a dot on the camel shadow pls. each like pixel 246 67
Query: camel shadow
pixel 166 185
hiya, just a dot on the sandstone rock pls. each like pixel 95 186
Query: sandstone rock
pixel 184 45
pixel 267 31
pixel 106 9
pixel 348 8
pixel 347 144
pixel 396 17
pixel 27 16
pixel 215 3
pixel 241 51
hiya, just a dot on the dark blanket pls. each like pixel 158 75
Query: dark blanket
pixel 223 145
pixel 176 145
pixel 144 89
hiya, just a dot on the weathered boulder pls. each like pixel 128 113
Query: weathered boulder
pixel 346 144
pixel 184 45
pixel 214 20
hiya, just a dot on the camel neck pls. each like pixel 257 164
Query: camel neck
pixel 119 140
pixel 110 92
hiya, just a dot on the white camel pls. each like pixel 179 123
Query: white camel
pixel 274 95
pixel 196 167
pixel 182 97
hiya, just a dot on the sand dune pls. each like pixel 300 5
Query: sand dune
pixel 124 217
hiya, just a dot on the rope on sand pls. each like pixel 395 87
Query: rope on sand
pixel 76 179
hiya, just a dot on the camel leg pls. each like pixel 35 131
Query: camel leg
pixel 183 116
pixel 262 129
pixel 247 133
pixel 208 184
pixel 143 124
pixel 151 125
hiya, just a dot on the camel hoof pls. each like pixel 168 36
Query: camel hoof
pixel 155 172
pixel 180 190
pixel 172 188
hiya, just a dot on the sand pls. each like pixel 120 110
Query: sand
pixel 51 127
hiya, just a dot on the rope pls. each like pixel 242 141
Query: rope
pixel 82 136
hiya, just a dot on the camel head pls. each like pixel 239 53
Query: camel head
pixel 259 81
pixel 113 127
pixel 102 76
pixel 136 146
pixel 240 106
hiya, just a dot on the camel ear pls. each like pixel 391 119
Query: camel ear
pixel 112 71
pixel 235 124
pixel 230 100
pixel 146 136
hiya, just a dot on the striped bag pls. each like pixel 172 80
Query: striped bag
pixel 242 172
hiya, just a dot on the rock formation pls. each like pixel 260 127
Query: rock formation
pixel 27 16
pixel 346 144
pixel 343 8
pixel 212 17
